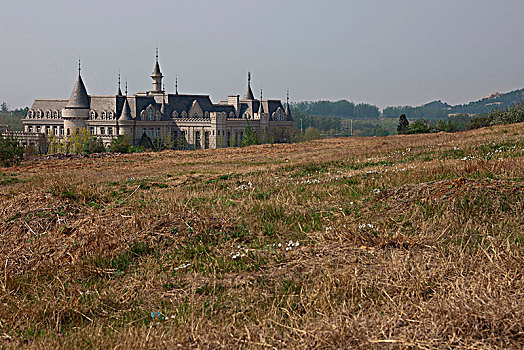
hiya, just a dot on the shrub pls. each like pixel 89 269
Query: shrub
pixel 11 152
pixel 122 144
pixel 250 137
pixel 403 125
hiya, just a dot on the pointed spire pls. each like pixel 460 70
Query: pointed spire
pixel 119 92
pixel 288 109
pixel 249 94
pixel 156 70
pixel 261 107
pixel 126 111
pixel 176 85
pixel 79 97
pixel 126 87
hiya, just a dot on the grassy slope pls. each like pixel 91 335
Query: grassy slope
pixel 402 244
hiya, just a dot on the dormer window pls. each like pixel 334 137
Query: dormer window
pixel 48 114
pixel 31 114
pixel 55 114
pixel 175 114
pixel 184 114
pixel 104 115
pixel 92 115
pixel 142 115
pixel 111 115
pixel 157 115
pixel 150 114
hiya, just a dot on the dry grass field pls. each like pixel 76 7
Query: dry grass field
pixel 395 242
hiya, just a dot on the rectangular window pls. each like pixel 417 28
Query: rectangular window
pixel 110 131
pixel 38 128
pixel 91 130
pixel 197 139
pixel 47 130
pixel 206 140
pixel 102 130
pixel 151 131
pixel 30 129
pixel 55 130
pixel 62 130
pixel 158 132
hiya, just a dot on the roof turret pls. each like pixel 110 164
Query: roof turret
pixel 119 91
pixel 261 107
pixel 126 111
pixel 79 98
pixel 249 94
pixel 288 109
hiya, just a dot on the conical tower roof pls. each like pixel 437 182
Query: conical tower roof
pixel 126 111
pixel 288 109
pixel 261 107
pixel 156 70
pixel 79 97
pixel 249 93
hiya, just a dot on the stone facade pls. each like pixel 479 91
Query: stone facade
pixel 188 121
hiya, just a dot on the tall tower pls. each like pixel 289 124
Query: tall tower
pixel 157 77
pixel 76 112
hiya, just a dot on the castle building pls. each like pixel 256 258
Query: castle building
pixel 188 121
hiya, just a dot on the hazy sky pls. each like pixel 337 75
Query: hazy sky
pixel 385 52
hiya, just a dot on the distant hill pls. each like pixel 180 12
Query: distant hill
pixel 441 110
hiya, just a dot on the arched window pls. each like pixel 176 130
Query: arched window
pixel 55 114
pixel 184 114
pixel 31 114
pixel 231 115
pixel 40 114
pixel 175 114
pixel 111 115
pixel 279 114
pixel 92 115
pixel 104 114
pixel 48 114
pixel 143 115
pixel 206 114
pixel 157 115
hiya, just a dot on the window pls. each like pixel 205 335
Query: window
pixel 183 135
pixel 206 114
pixel 150 114
pixel 38 128
pixel 56 114
pixel 102 129
pixel 206 140
pixel 91 130
pixel 68 131
pixel 92 115
pixel 30 129
pixel 31 114
pixel 62 130
pixel 184 114
pixel 231 115
pixel 110 131
pixel 157 115
pixel 158 132
pixel 197 139
pixel 142 115
pixel 110 115
pixel 104 115
pixel 279 114
pixel 151 131
pixel 55 130
pixel 175 114
pixel 48 114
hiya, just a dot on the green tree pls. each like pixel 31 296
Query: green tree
pixel 250 137
pixel 3 107
pixel 403 125
pixel 11 152
pixel 122 144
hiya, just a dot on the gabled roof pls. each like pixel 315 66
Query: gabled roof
pixel 79 97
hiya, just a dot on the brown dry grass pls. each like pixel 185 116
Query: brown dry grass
pixel 403 244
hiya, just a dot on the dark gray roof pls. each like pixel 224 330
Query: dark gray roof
pixel 79 97
pixel 126 112
pixel 249 94
pixel 156 71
